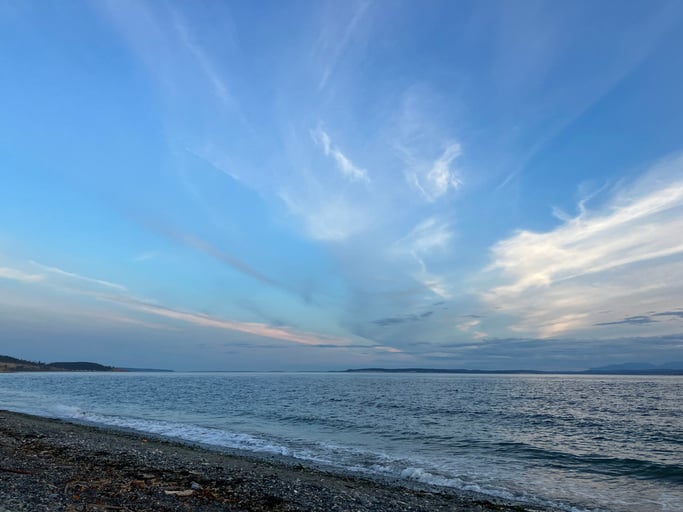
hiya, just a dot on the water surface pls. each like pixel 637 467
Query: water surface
pixel 574 442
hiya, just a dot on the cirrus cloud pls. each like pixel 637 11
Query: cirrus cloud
pixel 626 257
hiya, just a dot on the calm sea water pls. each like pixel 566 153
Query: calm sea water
pixel 575 442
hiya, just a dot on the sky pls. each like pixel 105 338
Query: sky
pixel 324 185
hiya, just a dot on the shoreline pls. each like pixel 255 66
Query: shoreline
pixel 52 465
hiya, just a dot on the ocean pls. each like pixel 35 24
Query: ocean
pixel 577 443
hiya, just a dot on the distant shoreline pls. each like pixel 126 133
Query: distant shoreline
pixel 13 365
pixel 512 372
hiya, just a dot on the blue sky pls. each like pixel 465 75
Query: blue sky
pixel 322 185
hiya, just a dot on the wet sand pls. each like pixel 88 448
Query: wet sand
pixel 51 465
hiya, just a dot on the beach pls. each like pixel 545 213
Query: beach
pixel 52 465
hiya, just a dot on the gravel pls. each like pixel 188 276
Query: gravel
pixel 51 465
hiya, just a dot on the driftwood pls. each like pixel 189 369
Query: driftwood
pixel 17 471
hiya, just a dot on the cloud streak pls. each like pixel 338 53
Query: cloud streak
pixel 72 275
pixel 339 43
pixel 397 320
pixel 212 75
pixel 631 320
pixel 252 328
pixel 194 242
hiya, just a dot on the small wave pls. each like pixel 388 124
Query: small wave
pixel 614 466
pixel 424 476
pixel 184 432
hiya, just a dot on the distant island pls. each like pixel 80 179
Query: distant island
pixel 674 368
pixel 12 364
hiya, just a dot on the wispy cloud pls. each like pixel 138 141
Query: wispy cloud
pixel 386 348
pixel 136 322
pixel 565 353
pixel 252 328
pixel 332 219
pixel 626 255
pixel 525 62
pixel 190 240
pixel 631 320
pixel 216 159
pixel 435 181
pixel 422 136
pixel 72 275
pixel 210 71
pixel 333 44
pixel 344 164
pixel 468 324
pixel 397 320
pixel 428 237
pixel 116 294
pixel 145 256
pixel 675 314
pixel 18 275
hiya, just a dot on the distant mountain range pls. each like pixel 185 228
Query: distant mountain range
pixel 672 368
pixel 13 364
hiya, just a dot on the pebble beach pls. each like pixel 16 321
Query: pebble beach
pixel 52 465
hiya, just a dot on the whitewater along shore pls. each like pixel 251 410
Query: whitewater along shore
pixel 52 465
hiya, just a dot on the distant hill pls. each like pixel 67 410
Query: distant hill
pixel 81 366
pixel 13 364
pixel 623 367
pixel 674 367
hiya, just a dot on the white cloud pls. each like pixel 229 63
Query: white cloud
pixel 348 168
pixel 385 348
pixel 468 324
pixel 330 206
pixel 344 164
pixel 626 258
